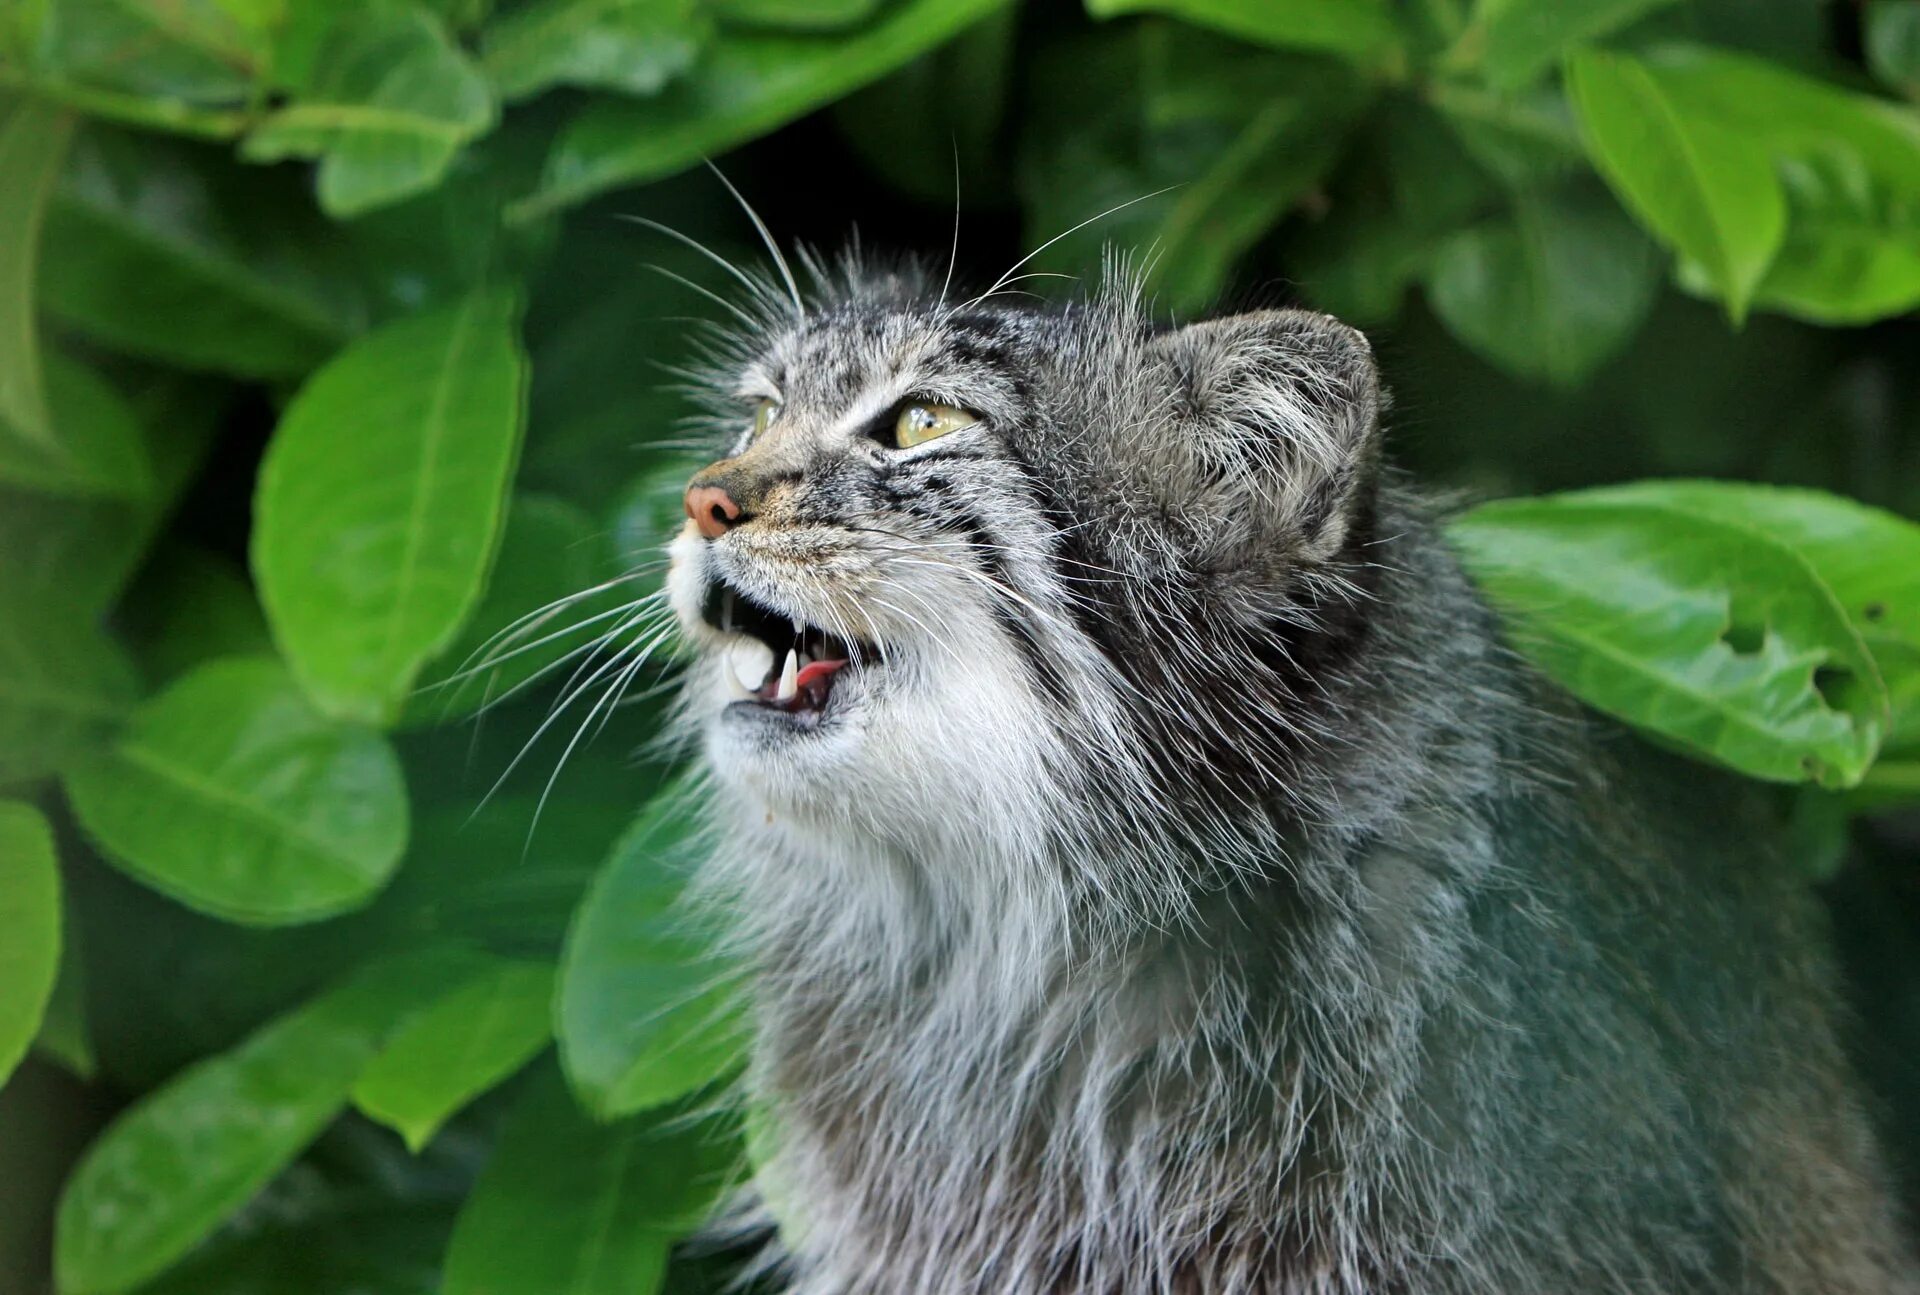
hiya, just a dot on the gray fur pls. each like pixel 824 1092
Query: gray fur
pixel 1197 898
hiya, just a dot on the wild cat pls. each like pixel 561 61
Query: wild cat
pixel 1156 876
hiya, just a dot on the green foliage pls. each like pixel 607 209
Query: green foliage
pixel 338 442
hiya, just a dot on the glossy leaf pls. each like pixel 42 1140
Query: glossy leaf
pixel 155 250
pixel 380 502
pixel 480 1033
pixel 540 606
pixel 29 927
pixel 1703 189
pixel 625 46
pixel 747 83
pixel 1358 28
pixel 1852 252
pixel 648 1010
pixel 570 1207
pixel 386 107
pixel 231 794
pixel 1517 40
pixel 33 140
pixel 184 1158
pixel 1548 291
pixel 1714 633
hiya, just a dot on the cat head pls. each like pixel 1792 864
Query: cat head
pixel 964 569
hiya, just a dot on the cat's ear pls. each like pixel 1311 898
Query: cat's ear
pixel 1275 432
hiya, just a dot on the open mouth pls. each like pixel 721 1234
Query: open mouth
pixel 775 661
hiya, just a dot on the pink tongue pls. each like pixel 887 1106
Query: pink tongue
pixel 815 672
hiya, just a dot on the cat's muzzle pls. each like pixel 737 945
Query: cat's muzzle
pixel 774 662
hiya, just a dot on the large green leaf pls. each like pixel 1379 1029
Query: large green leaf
pixel 29 927
pixel 570 1207
pixel 63 682
pixel 192 51
pixel 1867 557
pixel 33 139
pixel 1356 28
pixel 481 1032
pixel 1517 40
pixel 1710 630
pixel 231 794
pixel 648 1009
pixel 185 1157
pixel 626 46
pixel 1547 291
pixel 541 604
pixel 1852 252
pixel 161 251
pixel 380 502
pixel 1705 190
pixel 98 448
pixel 743 85
pixel 385 106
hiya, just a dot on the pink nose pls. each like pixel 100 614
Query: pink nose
pixel 712 510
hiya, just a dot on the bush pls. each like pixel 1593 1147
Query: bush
pixel 325 911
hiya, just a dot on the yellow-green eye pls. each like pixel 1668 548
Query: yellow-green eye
pixel 919 423
pixel 763 414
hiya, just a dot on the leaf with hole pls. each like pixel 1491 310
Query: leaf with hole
pixel 381 499
pixel 1711 632
pixel 230 793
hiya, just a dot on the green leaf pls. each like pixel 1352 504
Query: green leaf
pixel 744 85
pixel 97 449
pixel 476 1036
pixel 1852 252
pixel 380 502
pixel 231 794
pixel 193 51
pixel 1705 190
pixel 388 104
pixel 180 1161
pixel 154 249
pixel 1363 29
pixel 33 140
pixel 796 15
pixel 625 46
pixel 62 684
pixel 570 1207
pixel 552 551
pixel 66 1034
pixel 1893 44
pixel 1867 557
pixel 648 1010
pixel 1517 40
pixel 1546 292
pixel 1714 633
pixel 29 928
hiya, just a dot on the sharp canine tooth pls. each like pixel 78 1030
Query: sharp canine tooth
pixel 789 673
pixel 748 661
pixel 726 612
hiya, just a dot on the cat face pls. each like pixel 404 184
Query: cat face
pixel 949 556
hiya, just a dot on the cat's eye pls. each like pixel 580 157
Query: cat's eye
pixel 920 422
pixel 763 414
